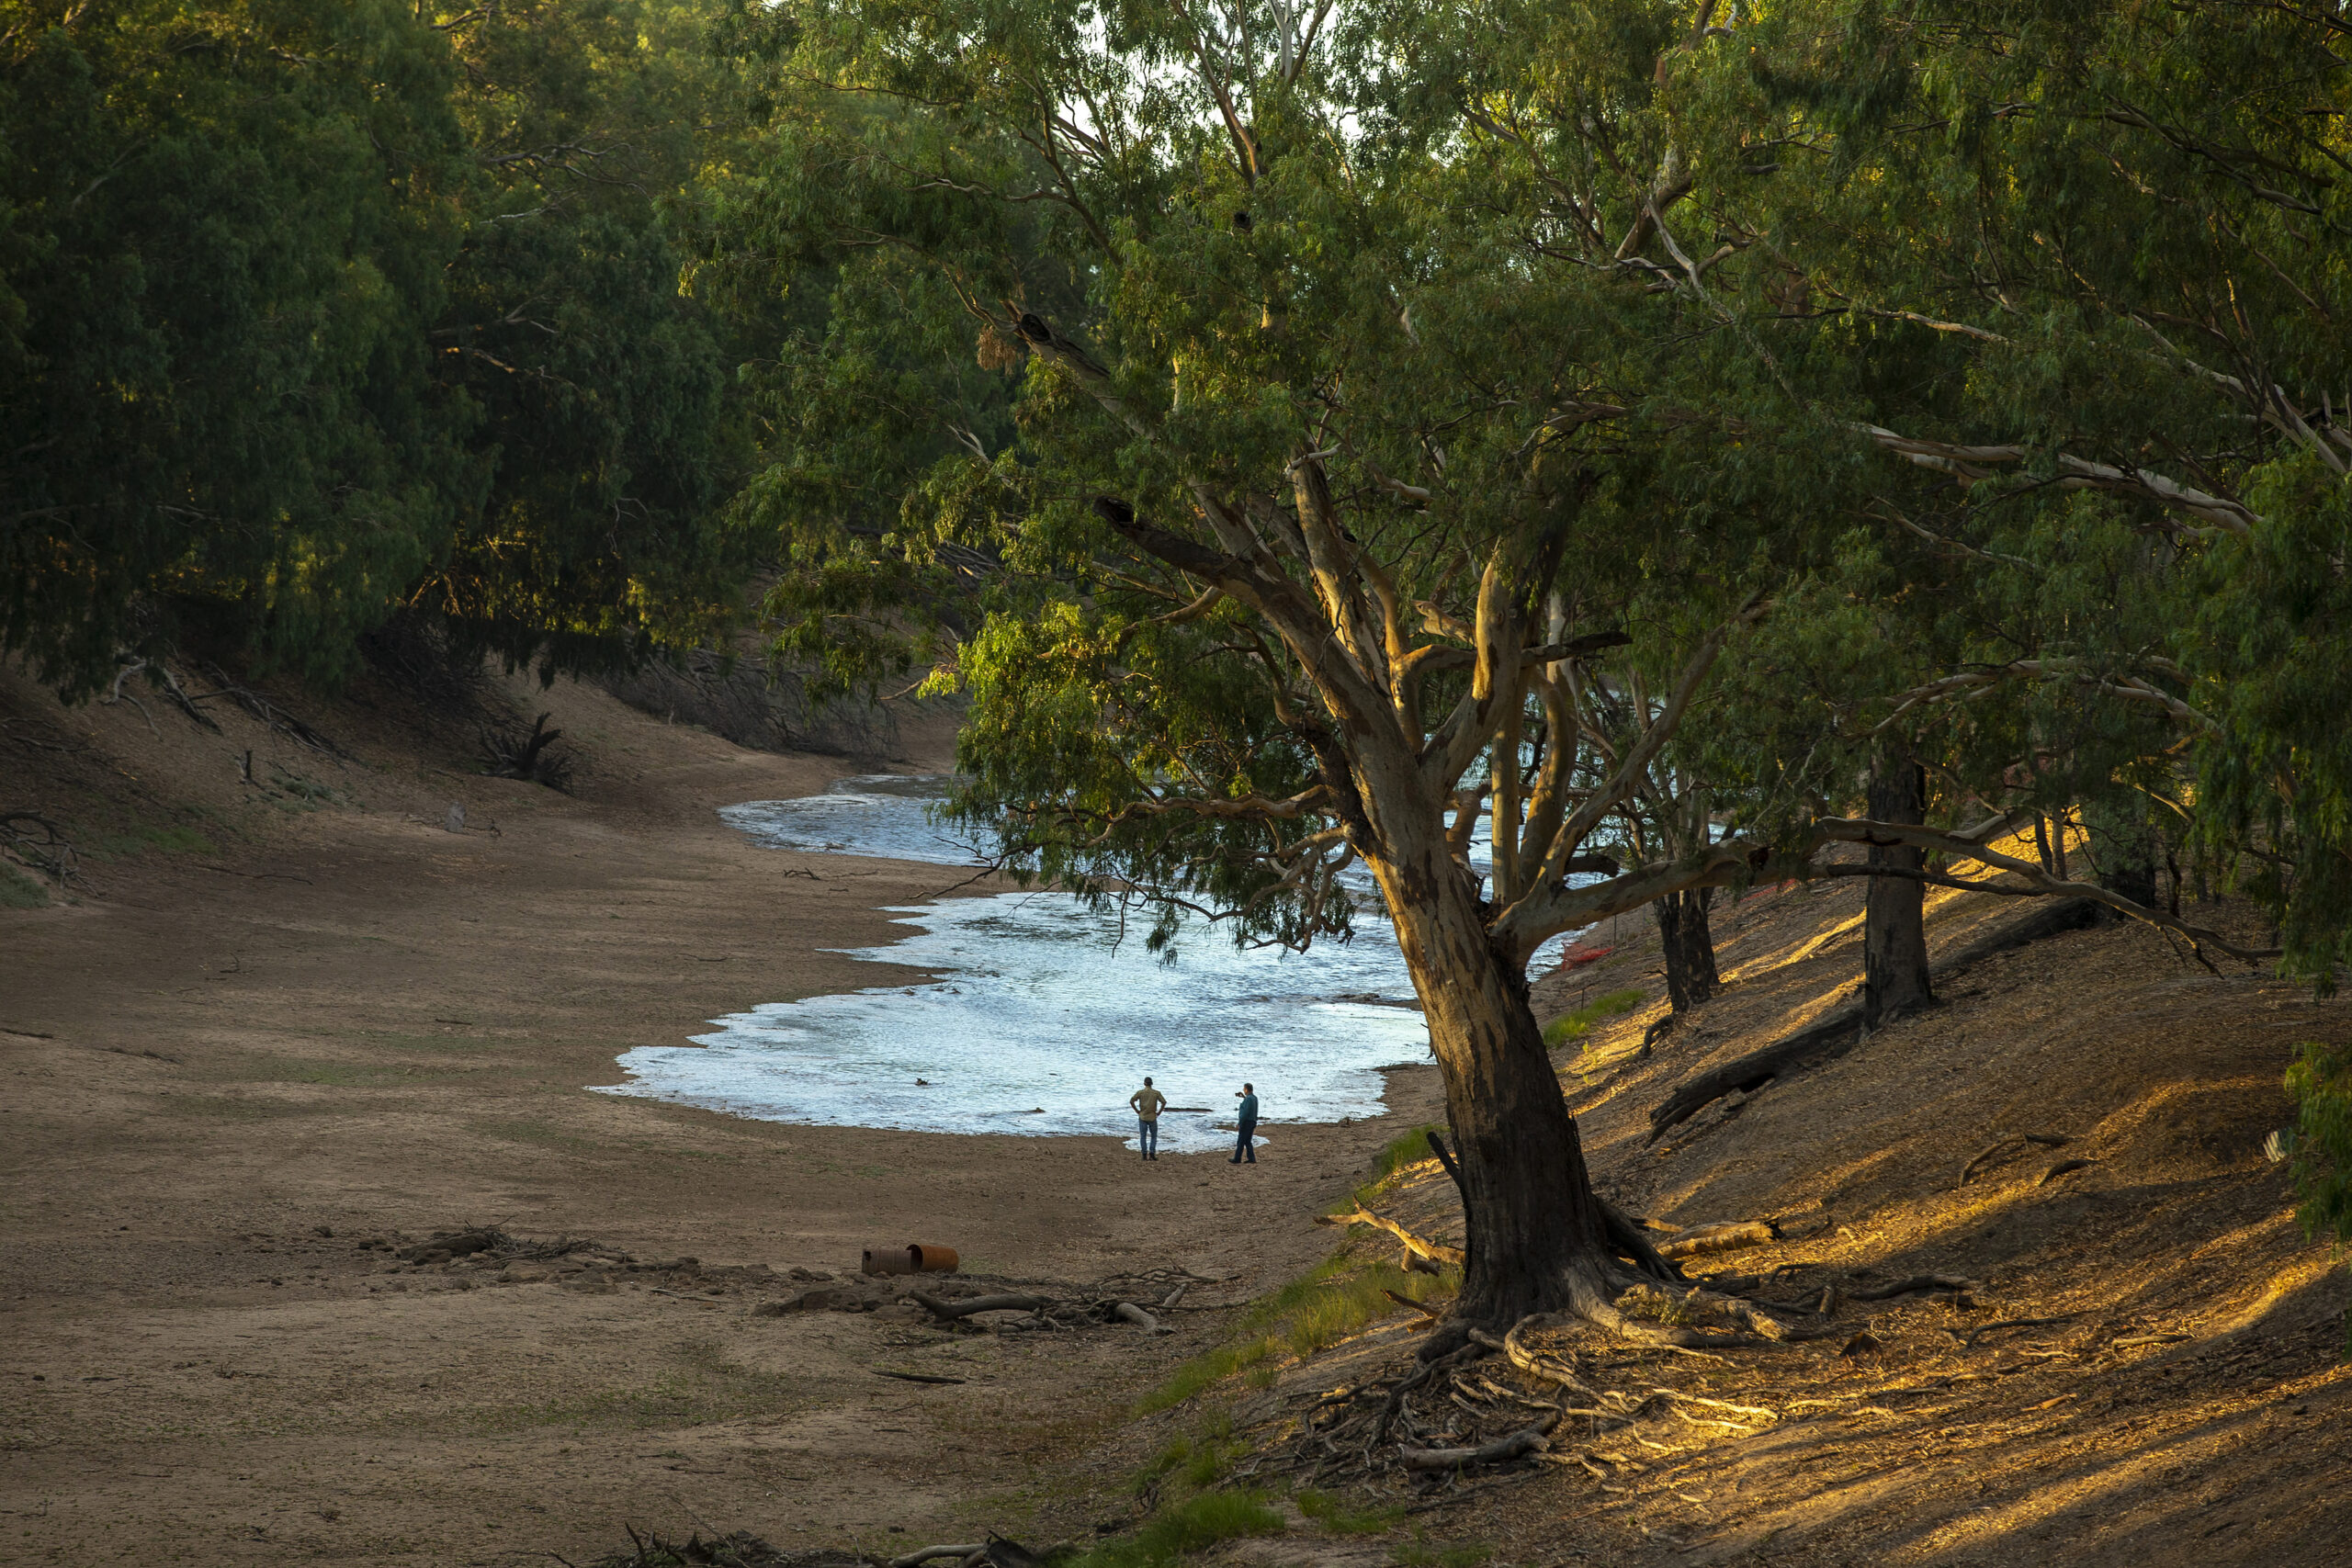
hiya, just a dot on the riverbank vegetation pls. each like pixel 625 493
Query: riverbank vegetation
pixel 1567 463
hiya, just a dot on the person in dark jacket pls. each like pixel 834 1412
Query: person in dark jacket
pixel 1245 1147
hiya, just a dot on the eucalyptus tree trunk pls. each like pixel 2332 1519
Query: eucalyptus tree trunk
pixel 1894 933
pixel 1690 974
pixel 1533 1231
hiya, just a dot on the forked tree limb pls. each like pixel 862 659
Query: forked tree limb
pixel 1435 1251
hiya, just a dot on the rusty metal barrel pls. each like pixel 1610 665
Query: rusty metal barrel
pixel 915 1258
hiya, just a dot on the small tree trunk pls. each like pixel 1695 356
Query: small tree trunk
pixel 1894 933
pixel 1533 1231
pixel 1690 974
pixel 2126 860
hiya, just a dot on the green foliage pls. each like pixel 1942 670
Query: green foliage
pixel 1577 1024
pixel 18 891
pixel 1405 1149
pixel 2321 1146
pixel 1182 1529
pixel 1334 1515
pixel 139 837
pixel 308 313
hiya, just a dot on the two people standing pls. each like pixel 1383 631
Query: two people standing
pixel 1147 1103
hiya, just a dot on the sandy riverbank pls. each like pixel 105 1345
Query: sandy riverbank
pixel 229 1065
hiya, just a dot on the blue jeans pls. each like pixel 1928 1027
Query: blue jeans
pixel 1245 1147
pixel 1150 1136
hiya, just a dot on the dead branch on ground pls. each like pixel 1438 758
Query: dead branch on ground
pixel 1435 1251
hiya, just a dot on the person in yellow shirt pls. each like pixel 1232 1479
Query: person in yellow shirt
pixel 1147 1101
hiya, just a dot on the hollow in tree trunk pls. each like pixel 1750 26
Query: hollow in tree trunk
pixel 1690 975
pixel 1894 934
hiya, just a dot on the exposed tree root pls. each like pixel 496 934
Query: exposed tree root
pixel 1914 1285
pixel 2003 1145
pixel 1631 1243
pixel 1502 1450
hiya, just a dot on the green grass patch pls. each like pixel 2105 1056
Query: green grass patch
pixel 1193 1525
pixel 1578 1024
pixel 1404 1150
pixel 1192 1464
pixel 1338 1518
pixel 142 836
pixel 18 891
pixel 1328 1303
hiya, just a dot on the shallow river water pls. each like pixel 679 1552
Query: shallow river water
pixel 1046 1015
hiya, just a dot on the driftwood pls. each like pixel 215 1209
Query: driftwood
pixel 1841 1029
pixel 1435 1251
pixel 933 1553
pixel 1729 1238
pixel 1502 1450
pixel 951 1310
pixel 1130 1313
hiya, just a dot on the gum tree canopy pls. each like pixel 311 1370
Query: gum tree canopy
pixel 1392 385
pixel 1327 481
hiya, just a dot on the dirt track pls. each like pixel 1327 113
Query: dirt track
pixel 362 1023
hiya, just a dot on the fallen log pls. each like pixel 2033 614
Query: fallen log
pixel 1129 1312
pixel 1837 1032
pixel 933 1553
pixel 1435 1251
pixel 951 1310
pixel 1728 1238
pixel 1502 1450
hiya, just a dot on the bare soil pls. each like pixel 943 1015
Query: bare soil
pixel 275 1038
pixel 286 1029
pixel 2144 1369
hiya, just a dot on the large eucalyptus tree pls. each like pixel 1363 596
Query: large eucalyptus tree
pixel 1393 384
